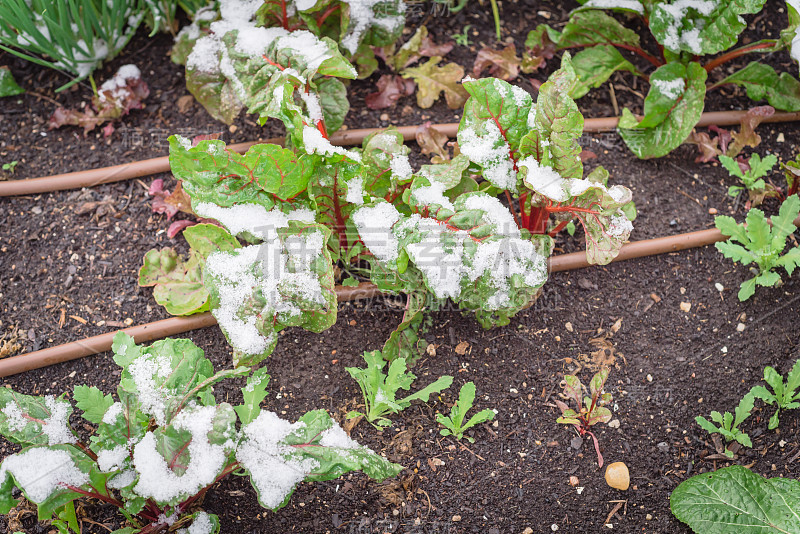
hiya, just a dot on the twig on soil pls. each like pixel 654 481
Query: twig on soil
pixel 613 99
pixel 614 510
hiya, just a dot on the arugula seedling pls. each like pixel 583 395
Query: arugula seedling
pixel 761 244
pixel 785 396
pixel 727 424
pixel 753 179
pixel 463 37
pixel 590 409
pixel 165 442
pixel 454 423
pixel 380 390
pixel 10 167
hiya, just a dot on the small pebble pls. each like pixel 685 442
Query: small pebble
pixel 573 481
pixel 780 138
pixel 712 211
pixel 648 517
pixel 568 326
pixel 719 287
pixel 456 518
pixel 384 116
pixel 724 350
pixel 553 527
pixel 614 423
pixel 686 306
pixel 528 530
pixel 617 476
pixel 649 378
pixel 663 446
pixel 740 327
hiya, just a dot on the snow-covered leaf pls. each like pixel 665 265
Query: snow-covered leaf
pixel 29 420
pixel 177 280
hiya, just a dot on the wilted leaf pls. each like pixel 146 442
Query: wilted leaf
pixel 169 203
pixel 433 80
pixel 420 45
pixel 432 141
pixel 708 147
pixel 747 135
pixel 539 47
pixel 178 281
pixel 503 64
pixel 391 88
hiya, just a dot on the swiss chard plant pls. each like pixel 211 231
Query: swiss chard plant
pixel 734 500
pixel 727 424
pixel 261 55
pixel 693 39
pixel 759 243
pixel 752 177
pixel 379 389
pixel 288 213
pixel 784 394
pixel 164 441
pixel 588 410
pixel 455 424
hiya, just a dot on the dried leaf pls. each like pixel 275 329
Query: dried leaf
pixel 115 98
pixel 747 136
pixel 503 64
pixel 432 141
pixel 169 203
pixel 709 148
pixel 420 45
pixel 433 80
pixel 391 88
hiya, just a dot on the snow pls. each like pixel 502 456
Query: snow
pixel 620 226
pixel 521 96
pixel 117 86
pixel 41 471
pixel 315 143
pixel 632 5
pixel 253 41
pixel 312 105
pixel 490 151
pixel 671 89
pixel 401 166
pixel 313 50
pixel 355 190
pixel 201 524
pixel 795 51
pixel 14 419
pixel 676 16
pixel 206 460
pixel 303 5
pixel 144 370
pixel 112 459
pixel 254 219
pixel 110 417
pixel 433 195
pixel 56 427
pixel 544 180
pixel 122 480
pixel 374 225
pixel 273 469
pixel 494 213
pixel 335 436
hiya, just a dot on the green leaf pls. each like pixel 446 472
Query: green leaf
pixel 335 105
pixel 747 289
pixel 595 65
pixel 736 500
pixel 438 386
pixel 215 93
pixel 589 28
pixel 700 28
pixel 433 80
pixel 731 165
pixel 93 402
pixel 672 108
pixel 29 420
pixel 207 238
pixel 254 394
pixel 8 85
pixel 405 341
pixel 783 223
pixel 177 280
pixel 706 425
pixel 757 229
pixel 762 83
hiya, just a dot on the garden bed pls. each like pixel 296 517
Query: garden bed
pixel 69 262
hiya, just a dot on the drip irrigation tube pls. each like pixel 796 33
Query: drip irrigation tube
pixel 137 169
pixel 178 325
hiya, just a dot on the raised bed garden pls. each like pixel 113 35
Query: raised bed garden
pixel 670 330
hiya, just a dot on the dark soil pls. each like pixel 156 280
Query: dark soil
pixel 69 264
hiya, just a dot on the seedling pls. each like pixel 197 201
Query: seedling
pixel 165 442
pixel 380 390
pixel 727 424
pixel 589 410
pixel 463 37
pixel 10 167
pixel 784 395
pixel 752 178
pixel 454 423
pixel 761 244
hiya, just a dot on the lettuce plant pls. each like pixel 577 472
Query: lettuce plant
pixel 165 441
pixel 245 54
pixel 589 410
pixel 693 37
pixel 727 424
pixel 454 424
pixel 74 36
pixel 761 244
pixel 380 389
pixel 431 235
pixel 785 395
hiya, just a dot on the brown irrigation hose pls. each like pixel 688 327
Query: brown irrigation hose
pixel 137 169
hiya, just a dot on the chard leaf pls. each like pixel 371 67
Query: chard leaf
pixel 701 28
pixel 258 290
pixel 496 118
pixel 595 65
pixel 734 499
pixel 215 93
pixel 593 27
pixel 330 187
pixel 93 402
pixel 28 420
pixel 672 108
pixel 277 455
pixel 405 341
pixel 207 238
pixel 177 280
pixel 254 394
pixel 378 24
pixel 333 99
pixel 762 83
pixel 433 80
